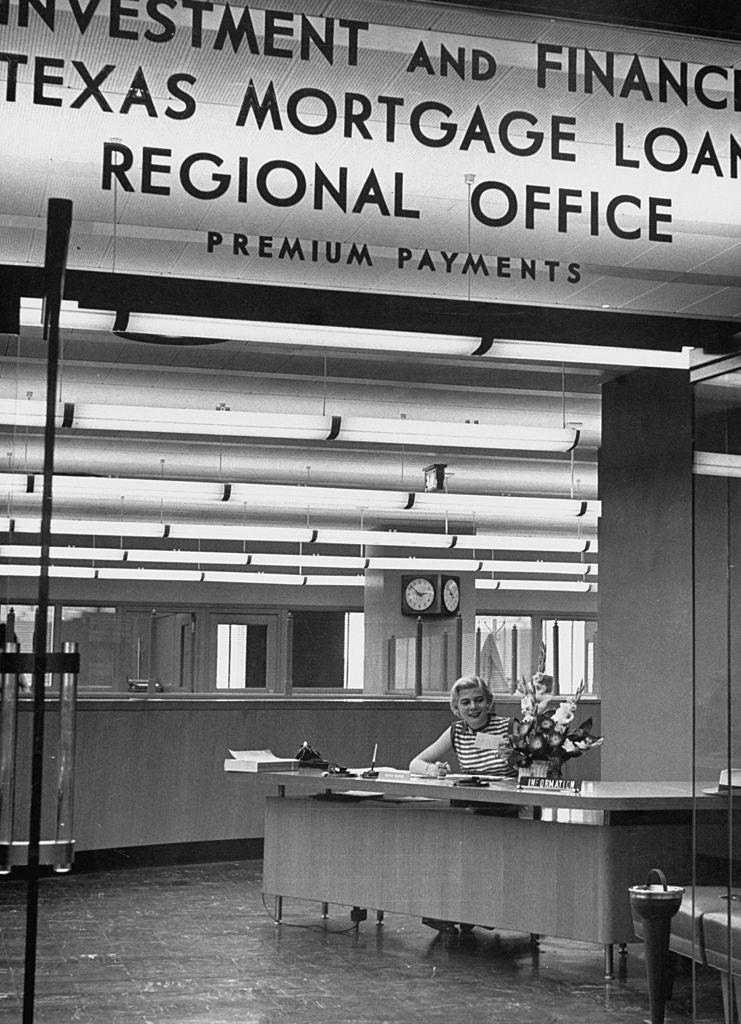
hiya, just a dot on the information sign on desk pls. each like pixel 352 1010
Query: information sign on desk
pixel 539 782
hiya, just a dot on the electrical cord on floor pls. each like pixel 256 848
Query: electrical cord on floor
pixel 309 927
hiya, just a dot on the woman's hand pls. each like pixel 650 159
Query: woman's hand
pixel 437 769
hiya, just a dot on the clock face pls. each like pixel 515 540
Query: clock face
pixel 451 595
pixel 419 594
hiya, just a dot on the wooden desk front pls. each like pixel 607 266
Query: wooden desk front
pixel 427 849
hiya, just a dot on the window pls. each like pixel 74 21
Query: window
pixel 354 650
pixel 570 649
pixel 245 652
pixel 94 631
pixel 241 655
pixel 503 650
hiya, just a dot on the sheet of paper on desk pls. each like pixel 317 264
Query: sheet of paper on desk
pixel 258 761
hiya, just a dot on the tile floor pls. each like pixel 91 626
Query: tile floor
pixel 194 944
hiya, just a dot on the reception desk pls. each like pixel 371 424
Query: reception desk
pixel 545 862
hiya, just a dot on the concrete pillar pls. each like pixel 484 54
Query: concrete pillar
pixel 645 576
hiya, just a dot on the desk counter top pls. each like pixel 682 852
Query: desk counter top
pixel 605 796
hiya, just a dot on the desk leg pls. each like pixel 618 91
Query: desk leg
pixel 379 917
pixel 609 964
pixel 325 910
pixel 278 912
pixel 726 983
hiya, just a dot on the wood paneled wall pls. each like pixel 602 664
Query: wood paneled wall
pixel 150 772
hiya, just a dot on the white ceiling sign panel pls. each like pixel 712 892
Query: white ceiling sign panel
pixel 328 150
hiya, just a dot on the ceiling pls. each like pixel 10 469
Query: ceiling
pixel 239 377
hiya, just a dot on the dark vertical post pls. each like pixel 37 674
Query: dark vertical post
pixel 458 645
pixel 418 658
pixel 477 662
pixel 513 660
pixel 556 658
pixel 58 225
pixel 288 688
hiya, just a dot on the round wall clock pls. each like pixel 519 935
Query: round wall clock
pixel 451 595
pixel 419 594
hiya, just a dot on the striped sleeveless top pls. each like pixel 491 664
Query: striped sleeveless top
pixel 481 760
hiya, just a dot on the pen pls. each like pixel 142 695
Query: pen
pixel 372 773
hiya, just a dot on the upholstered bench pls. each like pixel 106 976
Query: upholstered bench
pixel 700 931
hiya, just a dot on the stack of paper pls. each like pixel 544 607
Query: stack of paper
pixel 259 761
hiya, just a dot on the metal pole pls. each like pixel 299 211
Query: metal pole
pixel 58 225
pixel 458 645
pixel 66 766
pixel 8 743
pixel 513 660
pixel 418 658
pixel 556 659
pixel 288 688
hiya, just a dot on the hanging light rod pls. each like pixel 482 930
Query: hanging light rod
pixel 285 426
pixel 570 586
pixel 133 572
pixel 160 327
pixel 141 573
pixel 299 559
pixel 277 534
pixel 155 491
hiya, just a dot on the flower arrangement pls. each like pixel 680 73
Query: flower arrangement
pixel 543 733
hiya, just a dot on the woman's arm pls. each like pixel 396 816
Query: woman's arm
pixel 431 761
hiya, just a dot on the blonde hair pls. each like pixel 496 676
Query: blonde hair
pixel 469 683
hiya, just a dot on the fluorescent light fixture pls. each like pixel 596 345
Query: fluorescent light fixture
pixel 426 564
pixel 81 487
pixel 135 573
pixel 544 568
pixel 561 585
pixel 311 561
pixel 87 527
pixel 437 434
pixel 503 542
pixel 716 464
pixel 57 571
pixel 357 499
pixel 199 557
pixel 277 578
pixel 71 316
pixel 335 581
pixel 267 333
pixel 271 534
pixel 287 426
pixel 590 355
pixel 397 341
pixel 350 338
pixel 385 538
pixel 58 552
pixel 502 505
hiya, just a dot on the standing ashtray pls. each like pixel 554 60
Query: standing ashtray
pixel 653 905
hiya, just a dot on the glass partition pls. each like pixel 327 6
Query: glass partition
pixel 716 740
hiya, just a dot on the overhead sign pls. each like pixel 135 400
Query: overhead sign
pixel 526 163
